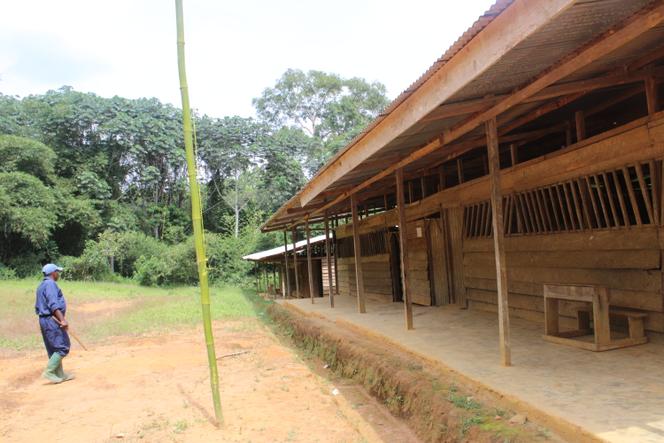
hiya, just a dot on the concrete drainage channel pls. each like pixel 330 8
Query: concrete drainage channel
pixel 438 405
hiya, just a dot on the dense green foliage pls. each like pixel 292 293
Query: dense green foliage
pixel 100 184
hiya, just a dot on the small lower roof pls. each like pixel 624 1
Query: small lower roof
pixel 279 251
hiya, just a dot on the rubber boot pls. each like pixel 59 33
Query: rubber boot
pixel 52 367
pixel 65 376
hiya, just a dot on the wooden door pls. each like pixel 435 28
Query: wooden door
pixel 439 269
pixel 418 263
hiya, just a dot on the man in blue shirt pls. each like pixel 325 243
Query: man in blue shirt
pixel 51 307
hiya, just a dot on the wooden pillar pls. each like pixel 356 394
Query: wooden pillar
pixel 568 134
pixel 580 120
pixel 336 266
pixel 403 250
pixel 258 278
pixel 328 257
pixel 459 165
pixel 441 179
pixel 297 278
pixel 359 278
pixel 267 282
pixel 282 280
pixel 498 241
pixel 514 155
pixel 651 95
pixel 423 186
pixel 287 290
pixel 310 271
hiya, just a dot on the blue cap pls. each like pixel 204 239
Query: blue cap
pixel 50 268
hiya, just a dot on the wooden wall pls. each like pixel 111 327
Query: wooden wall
pixel 418 262
pixel 377 277
pixel 303 277
pixel 627 261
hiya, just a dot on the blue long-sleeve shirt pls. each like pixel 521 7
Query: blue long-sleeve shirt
pixel 49 298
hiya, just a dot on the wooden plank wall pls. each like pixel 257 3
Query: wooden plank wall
pixel 418 263
pixel 627 261
pixel 376 273
pixel 302 273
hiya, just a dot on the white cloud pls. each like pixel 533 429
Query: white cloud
pixel 234 49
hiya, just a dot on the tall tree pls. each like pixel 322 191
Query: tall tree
pixel 228 148
pixel 327 107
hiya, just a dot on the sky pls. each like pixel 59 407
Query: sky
pixel 234 50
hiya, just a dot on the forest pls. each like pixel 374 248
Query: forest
pixel 99 185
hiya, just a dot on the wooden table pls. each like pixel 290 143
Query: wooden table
pixel 598 297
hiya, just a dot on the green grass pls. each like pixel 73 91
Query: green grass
pixel 117 309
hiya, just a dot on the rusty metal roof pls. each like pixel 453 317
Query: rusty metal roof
pixel 565 33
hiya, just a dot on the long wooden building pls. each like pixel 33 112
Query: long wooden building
pixel 530 153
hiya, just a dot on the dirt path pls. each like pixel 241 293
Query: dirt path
pixel 156 389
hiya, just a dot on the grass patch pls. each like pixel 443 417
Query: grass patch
pixel 99 309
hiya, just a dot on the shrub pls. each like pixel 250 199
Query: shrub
pixel 91 265
pixel 7 273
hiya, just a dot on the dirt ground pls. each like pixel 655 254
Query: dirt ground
pixel 156 388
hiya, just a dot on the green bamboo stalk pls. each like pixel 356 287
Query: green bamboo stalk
pixel 197 217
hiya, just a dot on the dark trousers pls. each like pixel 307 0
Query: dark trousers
pixel 55 338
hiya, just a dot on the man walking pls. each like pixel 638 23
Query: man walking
pixel 51 307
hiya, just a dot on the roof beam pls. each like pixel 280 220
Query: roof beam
pixel 581 86
pixel 605 44
pixel 521 19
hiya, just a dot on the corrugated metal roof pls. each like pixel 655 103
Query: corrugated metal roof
pixel 567 32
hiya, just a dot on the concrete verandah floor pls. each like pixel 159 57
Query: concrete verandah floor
pixel 616 395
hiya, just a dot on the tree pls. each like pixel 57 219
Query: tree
pixel 228 148
pixel 26 155
pixel 281 173
pixel 328 108
pixel 28 210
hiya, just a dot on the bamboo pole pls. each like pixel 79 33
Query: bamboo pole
pixel 197 216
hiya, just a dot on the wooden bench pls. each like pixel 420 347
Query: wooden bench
pixel 598 298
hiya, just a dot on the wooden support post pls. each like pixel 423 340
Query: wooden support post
pixel 267 282
pixel 441 179
pixel 423 186
pixel 580 120
pixel 459 165
pixel 258 278
pixel 328 257
pixel 651 95
pixel 336 266
pixel 498 237
pixel 310 270
pixel 359 278
pixel 568 134
pixel 282 280
pixel 274 277
pixel 514 155
pixel 403 250
pixel 287 290
pixel 297 278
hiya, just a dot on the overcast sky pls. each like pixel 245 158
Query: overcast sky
pixel 235 49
